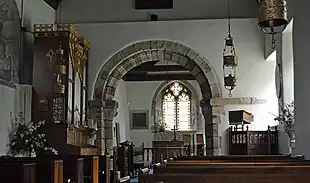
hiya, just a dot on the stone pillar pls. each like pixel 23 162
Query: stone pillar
pixel 301 45
pixel 211 128
pixel 103 114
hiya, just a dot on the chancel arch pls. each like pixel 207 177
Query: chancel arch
pixel 146 51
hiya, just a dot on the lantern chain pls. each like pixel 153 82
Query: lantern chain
pixel 229 21
pixel 273 42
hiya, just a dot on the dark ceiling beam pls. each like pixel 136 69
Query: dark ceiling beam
pixel 53 3
pixel 157 77
pixel 158 68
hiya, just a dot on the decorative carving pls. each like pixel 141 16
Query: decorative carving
pixel 78 52
pixel 58 109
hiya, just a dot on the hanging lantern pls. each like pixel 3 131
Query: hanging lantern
pixel 272 17
pixel 230 62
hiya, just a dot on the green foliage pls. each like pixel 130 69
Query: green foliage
pixel 160 126
pixel 26 137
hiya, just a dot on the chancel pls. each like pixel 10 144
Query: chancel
pixel 95 86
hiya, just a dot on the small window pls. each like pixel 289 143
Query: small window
pixel 139 119
pixel 176 105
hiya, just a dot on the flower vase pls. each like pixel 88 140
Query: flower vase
pixel 290 132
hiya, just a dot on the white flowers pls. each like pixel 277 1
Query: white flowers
pixel 26 138
pixel 286 115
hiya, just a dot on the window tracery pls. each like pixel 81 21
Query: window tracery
pixel 176 105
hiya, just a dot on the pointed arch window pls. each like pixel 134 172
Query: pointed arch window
pixel 176 106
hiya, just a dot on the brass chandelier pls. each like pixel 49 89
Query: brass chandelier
pixel 272 17
pixel 230 59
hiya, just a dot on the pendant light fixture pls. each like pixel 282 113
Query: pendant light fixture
pixel 272 17
pixel 230 60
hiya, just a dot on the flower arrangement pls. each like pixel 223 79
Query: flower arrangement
pixel 26 139
pixel 160 126
pixel 286 115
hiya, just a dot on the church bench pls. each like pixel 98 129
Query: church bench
pixel 239 158
pixel 73 169
pixel 91 168
pixel 131 158
pixel 18 172
pixel 46 169
pixel 144 175
pixel 227 178
pixel 280 169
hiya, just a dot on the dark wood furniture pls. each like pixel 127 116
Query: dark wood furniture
pixel 166 149
pixel 130 158
pixel 240 117
pixel 58 169
pixel 230 169
pixel 31 170
pixel 18 172
pixel 246 142
pixel 60 87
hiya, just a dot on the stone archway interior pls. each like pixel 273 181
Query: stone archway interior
pixel 103 106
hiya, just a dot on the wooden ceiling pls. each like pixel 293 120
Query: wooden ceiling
pixel 53 3
pixel 151 72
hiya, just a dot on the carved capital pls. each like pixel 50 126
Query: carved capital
pixel 108 113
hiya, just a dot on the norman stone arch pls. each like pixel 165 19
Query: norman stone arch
pixel 126 59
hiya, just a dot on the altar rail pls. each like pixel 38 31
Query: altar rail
pixel 150 152
pixel 245 142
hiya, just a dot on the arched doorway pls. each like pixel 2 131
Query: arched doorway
pixel 146 51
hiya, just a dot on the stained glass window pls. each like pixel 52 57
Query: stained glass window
pixel 176 107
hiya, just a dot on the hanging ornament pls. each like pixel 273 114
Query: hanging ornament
pixel 272 17
pixel 230 60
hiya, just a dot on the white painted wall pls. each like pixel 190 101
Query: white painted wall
pixel 35 12
pixel 7 106
pixel 123 111
pixel 288 67
pixel 99 11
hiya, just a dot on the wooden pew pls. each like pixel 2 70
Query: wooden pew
pixel 286 170
pixel 228 178
pixel 130 158
pixel 90 168
pixel 73 169
pixel 239 158
pixel 18 172
pixel 46 170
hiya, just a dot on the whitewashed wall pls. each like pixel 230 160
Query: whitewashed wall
pixel 99 11
pixel 7 106
pixel 123 111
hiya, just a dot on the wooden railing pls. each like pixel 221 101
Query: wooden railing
pixel 245 142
